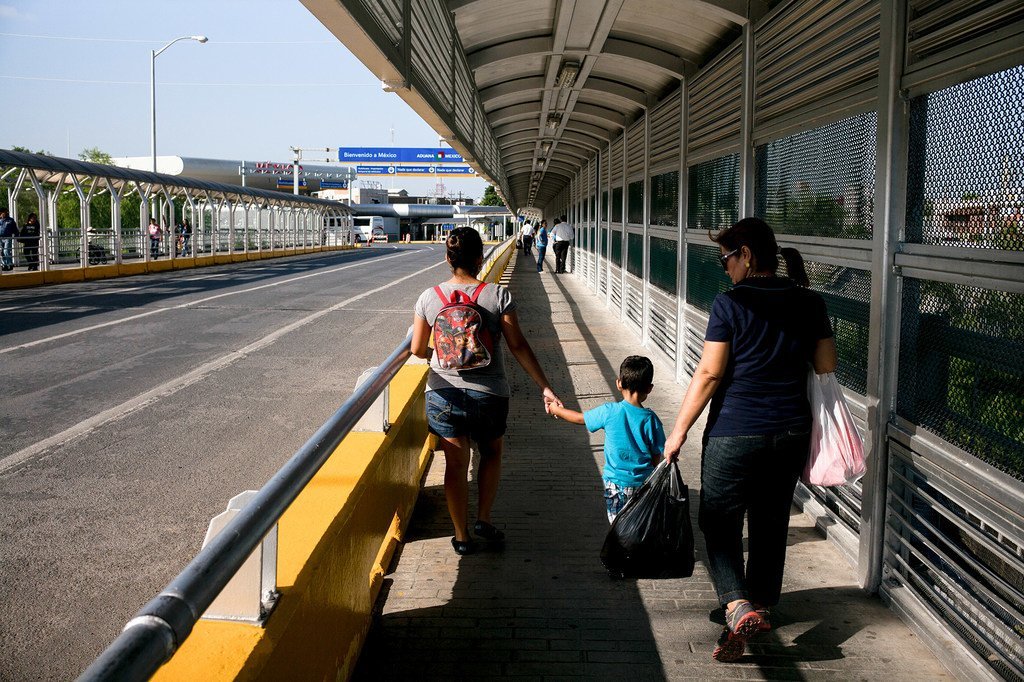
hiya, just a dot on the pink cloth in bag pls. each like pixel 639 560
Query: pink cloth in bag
pixel 837 449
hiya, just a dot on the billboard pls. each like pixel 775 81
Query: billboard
pixel 397 155
pixel 416 169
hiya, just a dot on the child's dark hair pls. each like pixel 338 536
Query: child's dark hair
pixel 756 235
pixel 465 250
pixel 636 373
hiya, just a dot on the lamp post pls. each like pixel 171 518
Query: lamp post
pixel 152 90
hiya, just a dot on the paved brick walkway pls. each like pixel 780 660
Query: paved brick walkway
pixel 544 608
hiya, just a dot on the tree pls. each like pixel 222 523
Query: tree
pixel 491 197
pixel 95 155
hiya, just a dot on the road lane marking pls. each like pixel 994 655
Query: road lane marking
pixel 189 304
pixel 171 387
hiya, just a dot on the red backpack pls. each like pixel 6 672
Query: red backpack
pixel 461 338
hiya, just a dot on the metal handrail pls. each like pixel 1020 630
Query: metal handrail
pixel 161 626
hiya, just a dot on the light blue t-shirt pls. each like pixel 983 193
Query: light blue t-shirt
pixel 633 437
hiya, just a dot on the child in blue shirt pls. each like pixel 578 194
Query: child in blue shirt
pixel 633 435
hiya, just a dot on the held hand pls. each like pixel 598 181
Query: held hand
pixel 673 444
pixel 550 398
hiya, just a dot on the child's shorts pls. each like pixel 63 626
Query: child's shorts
pixel 616 496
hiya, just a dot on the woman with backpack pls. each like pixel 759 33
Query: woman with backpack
pixel 467 391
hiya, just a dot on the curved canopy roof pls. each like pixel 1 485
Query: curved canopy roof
pixel 556 79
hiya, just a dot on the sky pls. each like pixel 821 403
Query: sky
pixel 75 74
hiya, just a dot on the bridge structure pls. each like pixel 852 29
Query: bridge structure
pixel 882 139
pixel 94 219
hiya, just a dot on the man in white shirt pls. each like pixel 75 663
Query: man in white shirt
pixel 526 237
pixel 562 234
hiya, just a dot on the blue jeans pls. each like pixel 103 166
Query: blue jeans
pixel 753 476
pixel 540 256
pixel 7 245
pixel 456 412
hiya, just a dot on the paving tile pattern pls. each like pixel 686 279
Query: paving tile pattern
pixel 544 608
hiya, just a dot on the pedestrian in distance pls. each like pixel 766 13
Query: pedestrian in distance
pixel 29 239
pixel 186 238
pixel 761 337
pixel 633 435
pixel 526 238
pixel 562 234
pixel 8 233
pixel 155 233
pixel 467 391
pixel 541 240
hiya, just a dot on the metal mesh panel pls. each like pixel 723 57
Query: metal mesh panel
pixel 957 557
pixel 617 247
pixel 665 199
pixel 966 164
pixel 663 264
pixel 820 182
pixel 714 193
pixel 962 368
pixel 635 203
pixel 704 276
pixel 635 254
pixel 847 294
pixel 617 205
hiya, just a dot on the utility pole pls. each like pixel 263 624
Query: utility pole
pixel 297 157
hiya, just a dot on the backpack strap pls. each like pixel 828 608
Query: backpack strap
pixel 440 295
pixel 476 292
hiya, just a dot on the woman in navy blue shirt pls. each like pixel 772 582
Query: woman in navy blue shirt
pixel 762 336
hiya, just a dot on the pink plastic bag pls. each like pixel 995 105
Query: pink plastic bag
pixel 837 450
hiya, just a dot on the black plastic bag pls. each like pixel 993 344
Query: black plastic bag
pixel 652 537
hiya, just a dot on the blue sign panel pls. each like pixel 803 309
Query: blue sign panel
pixel 396 155
pixel 289 182
pixel 334 184
pixel 416 169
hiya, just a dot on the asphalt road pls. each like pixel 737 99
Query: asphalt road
pixel 133 409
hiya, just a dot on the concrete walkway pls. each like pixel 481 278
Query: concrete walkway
pixel 544 608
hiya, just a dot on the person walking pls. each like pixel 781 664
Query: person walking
pixel 8 233
pixel 526 238
pixel 633 434
pixel 761 337
pixel 541 240
pixel 467 391
pixel 562 235
pixel 155 233
pixel 186 238
pixel 29 239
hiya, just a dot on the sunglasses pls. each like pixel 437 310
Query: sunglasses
pixel 724 258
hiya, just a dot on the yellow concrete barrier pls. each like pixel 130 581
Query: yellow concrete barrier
pixel 334 544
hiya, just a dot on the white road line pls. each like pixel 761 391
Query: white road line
pixel 174 385
pixel 65 335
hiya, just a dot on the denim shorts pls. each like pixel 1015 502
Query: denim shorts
pixel 616 496
pixel 456 412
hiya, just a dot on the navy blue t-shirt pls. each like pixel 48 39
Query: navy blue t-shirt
pixel 773 327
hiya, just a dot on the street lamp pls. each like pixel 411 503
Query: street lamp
pixel 153 54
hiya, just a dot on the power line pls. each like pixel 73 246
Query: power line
pixel 158 42
pixel 244 85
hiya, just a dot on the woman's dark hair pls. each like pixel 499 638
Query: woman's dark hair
pixel 636 373
pixel 465 250
pixel 756 235
pixel 31 216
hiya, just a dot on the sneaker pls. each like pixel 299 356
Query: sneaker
pixel 766 614
pixel 741 623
